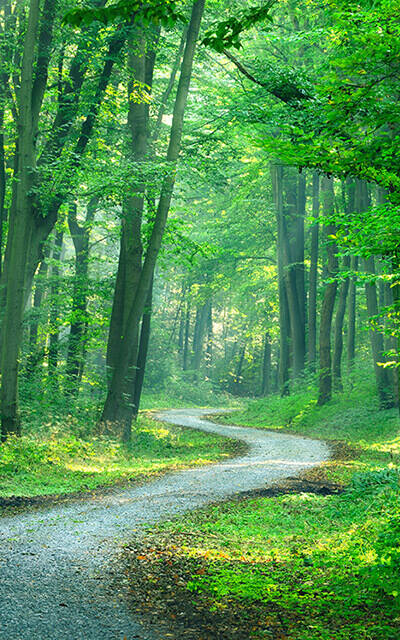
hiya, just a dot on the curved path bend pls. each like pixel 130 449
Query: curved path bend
pixel 53 562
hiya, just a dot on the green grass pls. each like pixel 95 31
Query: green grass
pixel 58 463
pixel 352 417
pixel 326 568
pixel 306 567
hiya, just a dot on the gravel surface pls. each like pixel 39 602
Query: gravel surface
pixel 54 562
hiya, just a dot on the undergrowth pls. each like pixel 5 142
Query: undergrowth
pixel 63 459
pixel 302 566
pixel 352 417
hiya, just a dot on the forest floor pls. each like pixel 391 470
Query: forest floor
pixel 60 577
pixel 313 558
pixel 47 467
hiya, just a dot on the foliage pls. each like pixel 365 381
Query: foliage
pixel 165 12
pixel 226 34
pixel 61 462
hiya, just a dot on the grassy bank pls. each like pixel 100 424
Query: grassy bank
pixel 65 460
pixel 372 436
pixel 300 567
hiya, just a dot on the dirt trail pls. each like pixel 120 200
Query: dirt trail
pixel 54 562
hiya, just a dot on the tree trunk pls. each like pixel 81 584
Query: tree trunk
pixel 351 322
pixel 209 348
pixel 29 224
pixel 131 249
pixel 292 235
pixel 116 409
pixel 328 303
pixel 199 334
pixel 142 352
pixel 185 362
pixel 284 322
pixel 238 375
pixel 382 374
pixel 313 282
pixel 338 339
pixel 36 352
pixel 391 342
pixel 19 234
pixel 80 235
pixel 266 370
pixel 396 302
pixel 52 357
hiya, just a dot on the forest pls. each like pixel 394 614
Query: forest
pixel 200 294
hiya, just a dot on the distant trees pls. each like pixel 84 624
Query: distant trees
pixel 253 224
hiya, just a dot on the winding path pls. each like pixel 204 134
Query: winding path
pixel 53 561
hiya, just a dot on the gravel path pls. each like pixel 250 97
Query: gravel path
pixel 53 562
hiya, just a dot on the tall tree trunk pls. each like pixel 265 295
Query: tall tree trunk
pixel 29 225
pixel 210 339
pixel 351 322
pixel 284 322
pixel 292 235
pixel 181 332
pixel 2 178
pixel 298 255
pixel 185 362
pixel 143 349
pixel 80 235
pixel 391 342
pixel 36 352
pixel 384 382
pixel 313 282
pixel 382 375
pixel 19 233
pixel 131 249
pixel 266 369
pixel 239 368
pixel 52 356
pixel 116 409
pixel 339 321
pixel 396 302
pixel 328 303
pixel 202 314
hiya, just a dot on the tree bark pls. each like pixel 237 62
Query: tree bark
pixel 284 322
pixel 210 341
pixel 185 361
pixel 36 352
pixel 292 235
pixel 19 235
pixel 52 356
pixel 131 249
pixel 199 334
pixel 266 370
pixel 313 281
pixel 384 383
pixel 328 303
pixel 142 352
pixel 351 322
pixel 30 223
pixel 338 338
pixel 80 235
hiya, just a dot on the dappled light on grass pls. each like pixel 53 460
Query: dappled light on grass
pixel 32 465
pixel 314 562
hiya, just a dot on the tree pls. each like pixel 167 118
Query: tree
pixel 116 408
